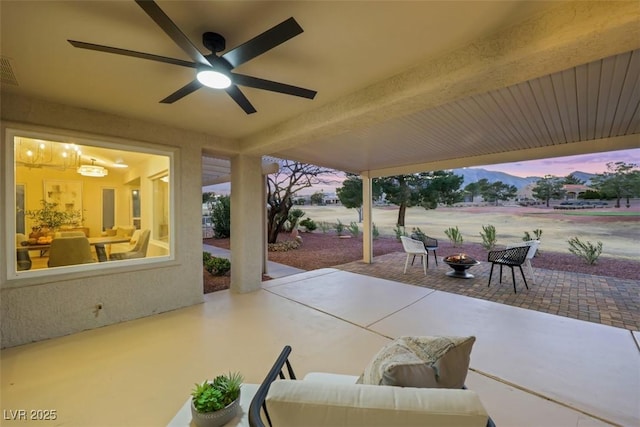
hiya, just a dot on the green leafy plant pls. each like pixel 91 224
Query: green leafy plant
pixel 537 233
pixel 454 236
pixel 221 217
pixel 418 232
pixel 488 235
pixel 585 250
pixel 211 396
pixel 354 229
pixel 48 216
pixel 339 228
pixel 324 226
pixel 217 266
pixel 308 224
pixel 374 231
pixel 206 256
pixel 399 231
pixel 293 219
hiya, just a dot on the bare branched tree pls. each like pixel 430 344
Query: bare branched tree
pixel 284 184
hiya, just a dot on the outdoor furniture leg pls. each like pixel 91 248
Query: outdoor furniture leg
pixel 435 256
pixel 413 259
pixel 406 264
pixel 513 277
pixel 425 264
pixel 530 270
pixel 500 273
pixel 490 274
pixel 523 278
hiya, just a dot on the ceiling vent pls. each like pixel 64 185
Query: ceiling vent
pixel 6 72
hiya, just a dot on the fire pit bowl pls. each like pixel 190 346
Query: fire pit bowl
pixel 460 264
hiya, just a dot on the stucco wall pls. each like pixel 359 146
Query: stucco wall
pixel 44 308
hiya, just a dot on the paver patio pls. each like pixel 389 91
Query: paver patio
pixel 606 300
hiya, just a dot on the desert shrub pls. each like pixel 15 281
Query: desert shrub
pixel 221 217
pixel 374 231
pixel 488 235
pixel 418 232
pixel 324 226
pixel 293 219
pixel 354 229
pixel 537 233
pixel 585 250
pixel 217 266
pixel 454 235
pixel 399 231
pixel 339 228
pixel 308 224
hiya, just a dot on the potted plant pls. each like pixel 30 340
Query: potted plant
pixel 49 217
pixel 215 403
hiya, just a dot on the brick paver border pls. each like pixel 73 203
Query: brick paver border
pixel 606 300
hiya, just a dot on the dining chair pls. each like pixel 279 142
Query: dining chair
pixel 138 251
pixel 69 251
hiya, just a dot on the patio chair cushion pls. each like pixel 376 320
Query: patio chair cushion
pixel 429 362
pixel 292 403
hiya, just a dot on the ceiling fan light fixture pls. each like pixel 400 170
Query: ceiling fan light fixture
pixel 213 79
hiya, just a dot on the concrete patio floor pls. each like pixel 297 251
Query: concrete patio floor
pixel 529 368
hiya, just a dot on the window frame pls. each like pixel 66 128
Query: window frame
pixel 15 278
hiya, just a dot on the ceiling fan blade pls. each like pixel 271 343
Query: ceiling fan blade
pixel 182 92
pixel 259 83
pixel 235 93
pixel 132 53
pixel 172 30
pixel 263 42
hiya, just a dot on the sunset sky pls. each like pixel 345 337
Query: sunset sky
pixel 559 166
pixel 563 166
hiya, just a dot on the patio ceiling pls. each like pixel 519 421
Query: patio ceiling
pixel 598 101
pixel 402 86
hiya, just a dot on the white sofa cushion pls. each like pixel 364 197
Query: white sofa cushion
pixel 324 377
pixel 421 362
pixel 315 403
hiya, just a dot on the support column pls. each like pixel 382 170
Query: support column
pixel 367 229
pixel 247 223
pixel 265 240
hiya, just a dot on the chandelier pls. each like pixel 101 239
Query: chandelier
pixel 92 170
pixel 34 153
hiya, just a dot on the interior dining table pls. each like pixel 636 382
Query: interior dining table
pixel 93 241
pixel 98 242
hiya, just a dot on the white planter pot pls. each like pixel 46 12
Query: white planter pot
pixel 217 418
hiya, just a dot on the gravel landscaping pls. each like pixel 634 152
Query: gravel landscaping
pixel 321 250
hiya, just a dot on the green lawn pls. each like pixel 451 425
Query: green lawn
pixel 602 213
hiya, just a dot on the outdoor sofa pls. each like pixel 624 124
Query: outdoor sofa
pixel 331 400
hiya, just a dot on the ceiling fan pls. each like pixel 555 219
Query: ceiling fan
pixel 213 70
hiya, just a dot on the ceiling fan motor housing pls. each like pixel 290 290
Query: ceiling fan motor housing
pixel 214 42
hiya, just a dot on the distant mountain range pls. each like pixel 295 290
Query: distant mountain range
pixel 474 175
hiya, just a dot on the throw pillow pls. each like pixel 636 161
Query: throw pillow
pixel 428 362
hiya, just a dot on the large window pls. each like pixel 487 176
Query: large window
pixel 79 204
